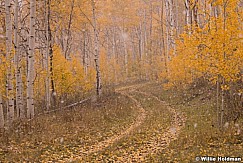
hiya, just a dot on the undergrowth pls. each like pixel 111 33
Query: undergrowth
pixel 62 134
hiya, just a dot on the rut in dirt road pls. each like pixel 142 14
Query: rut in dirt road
pixel 139 120
pixel 110 141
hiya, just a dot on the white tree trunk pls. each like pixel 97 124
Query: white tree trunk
pixel 163 48
pixel 46 57
pixel 1 113
pixel 97 52
pixel 1 108
pixel 10 92
pixel 69 37
pixel 217 103
pixel 21 57
pixel 19 92
pixel 124 40
pixel 167 14
pixel 222 110
pixel 30 75
pixel 85 52
pixel 172 26
pixel 176 4
pixel 188 15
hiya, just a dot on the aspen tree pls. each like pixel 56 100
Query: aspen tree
pixel 225 5
pixel 96 51
pixel 68 42
pixel 2 37
pixel 163 36
pixel 1 113
pixel 177 28
pixel 170 26
pixel 188 15
pixel 85 51
pixel 46 58
pixel 19 93
pixel 53 89
pixel 22 51
pixel 10 93
pixel 30 74
pixel 1 106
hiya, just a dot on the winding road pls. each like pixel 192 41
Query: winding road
pixel 155 144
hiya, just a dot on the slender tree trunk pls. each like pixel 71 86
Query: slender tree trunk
pixel 53 90
pixel 68 43
pixel 222 109
pixel 224 56
pixel 30 75
pixel 124 40
pixel 163 35
pixel 140 47
pixel 22 55
pixel 113 43
pixel 1 113
pixel 144 33
pixel 85 52
pixel 177 18
pixel 150 47
pixel 52 95
pixel 97 52
pixel 195 13
pixel 134 51
pixel 188 15
pixel 18 76
pixel 218 121
pixel 10 92
pixel 1 108
pixel 16 57
pixel 172 26
pixel 167 10
pixel 210 16
pixel 46 58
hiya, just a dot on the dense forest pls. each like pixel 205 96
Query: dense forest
pixel 62 54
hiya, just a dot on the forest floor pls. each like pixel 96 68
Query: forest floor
pixel 137 123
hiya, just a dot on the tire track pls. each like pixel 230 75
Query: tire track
pixel 110 141
pixel 139 120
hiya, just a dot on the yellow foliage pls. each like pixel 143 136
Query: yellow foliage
pixel 69 76
pixel 210 52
